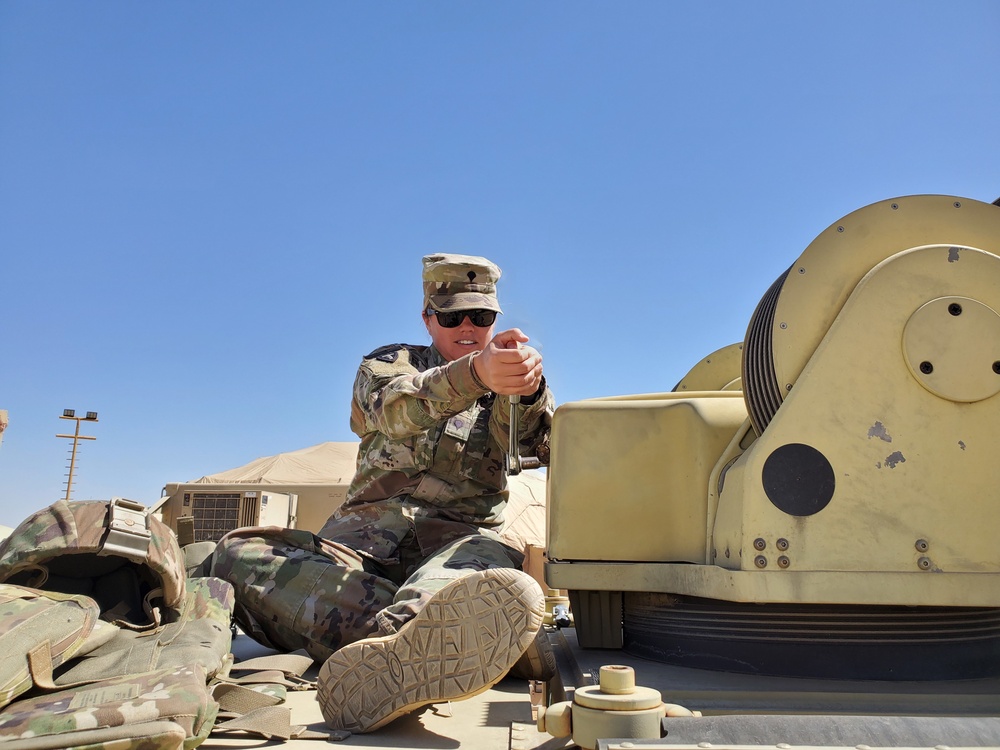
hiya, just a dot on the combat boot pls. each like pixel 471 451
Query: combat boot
pixel 461 643
pixel 538 662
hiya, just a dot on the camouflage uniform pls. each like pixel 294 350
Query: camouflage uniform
pixel 424 504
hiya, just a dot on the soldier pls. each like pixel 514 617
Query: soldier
pixel 431 482
pixel 408 593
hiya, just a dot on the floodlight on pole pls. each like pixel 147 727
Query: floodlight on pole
pixel 76 437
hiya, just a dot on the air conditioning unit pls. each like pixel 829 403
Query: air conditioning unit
pixel 213 513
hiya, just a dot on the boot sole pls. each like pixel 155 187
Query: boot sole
pixel 461 643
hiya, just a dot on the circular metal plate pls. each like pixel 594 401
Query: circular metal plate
pixel 952 347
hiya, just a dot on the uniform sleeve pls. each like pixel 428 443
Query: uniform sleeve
pixel 399 399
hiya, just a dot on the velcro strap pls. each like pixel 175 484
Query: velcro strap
pixel 40 665
pixel 292 665
pixel 238 699
pixel 274 722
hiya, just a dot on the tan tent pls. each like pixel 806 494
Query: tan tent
pixel 326 463
pixel 319 476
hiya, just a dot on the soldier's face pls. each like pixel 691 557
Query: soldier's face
pixel 454 343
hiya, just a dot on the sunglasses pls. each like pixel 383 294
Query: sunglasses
pixel 454 318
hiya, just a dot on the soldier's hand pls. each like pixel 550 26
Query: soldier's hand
pixel 506 366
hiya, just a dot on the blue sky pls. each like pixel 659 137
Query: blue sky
pixel 210 211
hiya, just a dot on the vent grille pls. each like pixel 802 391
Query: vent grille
pixel 216 513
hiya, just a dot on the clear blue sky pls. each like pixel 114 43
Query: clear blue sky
pixel 210 211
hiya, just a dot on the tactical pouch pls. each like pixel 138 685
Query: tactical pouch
pixel 39 631
pixel 166 710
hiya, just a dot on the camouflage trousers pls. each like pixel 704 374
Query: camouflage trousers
pixel 296 590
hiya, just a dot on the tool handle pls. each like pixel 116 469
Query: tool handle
pixel 514 462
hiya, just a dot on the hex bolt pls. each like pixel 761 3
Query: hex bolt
pixel 759 544
pixel 782 544
pixel 921 545
pixel 955 309
pixel 926 367
pixel 784 562
pixel 760 561
pixel 924 563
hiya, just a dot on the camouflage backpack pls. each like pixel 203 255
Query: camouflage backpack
pixel 109 645
pixel 102 631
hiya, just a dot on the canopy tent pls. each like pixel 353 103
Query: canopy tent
pixel 326 463
pixel 320 475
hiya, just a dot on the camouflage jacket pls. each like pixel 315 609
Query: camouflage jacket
pixel 433 449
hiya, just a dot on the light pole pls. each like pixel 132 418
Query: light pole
pixel 76 437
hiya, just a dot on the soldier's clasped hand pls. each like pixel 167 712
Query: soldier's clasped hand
pixel 506 366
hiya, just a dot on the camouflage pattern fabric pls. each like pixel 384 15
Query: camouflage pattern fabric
pixel 460 282
pixel 152 710
pixel 296 590
pixel 429 431
pixel 57 548
pixel 201 637
pixel 59 624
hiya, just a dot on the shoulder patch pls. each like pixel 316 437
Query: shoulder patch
pixel 391 352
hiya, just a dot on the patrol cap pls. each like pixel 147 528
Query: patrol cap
pixel 460 282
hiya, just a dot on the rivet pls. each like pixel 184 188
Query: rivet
pixel 894 206
pixel 760 561
pixel 783 326
pixel 921 545
pixel 957 204
pixel 996 367
pixel 759 544
pixel 782 544
pixel 840 229
pixel 802 270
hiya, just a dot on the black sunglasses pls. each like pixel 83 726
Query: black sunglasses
pixel 454 318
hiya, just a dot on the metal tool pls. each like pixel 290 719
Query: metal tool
pixel 517 462
pixel 514 464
